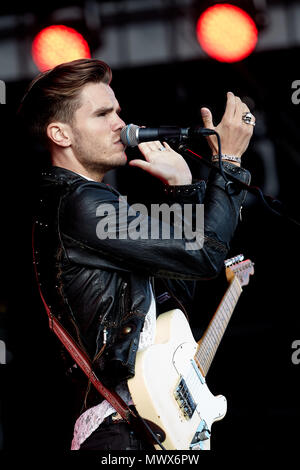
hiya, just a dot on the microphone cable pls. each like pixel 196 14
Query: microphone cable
pixel 230 181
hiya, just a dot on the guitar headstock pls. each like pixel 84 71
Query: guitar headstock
pixel 240 268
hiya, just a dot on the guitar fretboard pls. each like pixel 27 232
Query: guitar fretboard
pixel 209 343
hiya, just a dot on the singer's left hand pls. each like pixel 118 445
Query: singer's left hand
pixel 167 165
pixel 234 133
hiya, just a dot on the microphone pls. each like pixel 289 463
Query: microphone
pixel 132 135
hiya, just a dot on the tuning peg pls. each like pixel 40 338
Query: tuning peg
pixel 234 260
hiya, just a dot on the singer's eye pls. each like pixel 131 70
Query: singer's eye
pixel 103 112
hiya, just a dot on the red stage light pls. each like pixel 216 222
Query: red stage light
pixel 57 44
pixel 226 32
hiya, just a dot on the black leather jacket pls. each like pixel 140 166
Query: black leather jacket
pixel 100 287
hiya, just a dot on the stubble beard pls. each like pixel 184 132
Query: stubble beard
pixel 90 158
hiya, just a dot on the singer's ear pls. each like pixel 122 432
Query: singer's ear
pixel 59 133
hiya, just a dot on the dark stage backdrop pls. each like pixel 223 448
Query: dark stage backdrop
pixel 253 367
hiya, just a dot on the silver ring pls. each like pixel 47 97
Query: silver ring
pixel 162 149
pixel 248 118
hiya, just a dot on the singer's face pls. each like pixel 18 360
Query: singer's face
pixel 96 129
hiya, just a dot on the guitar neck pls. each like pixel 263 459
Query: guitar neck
pixel 209 343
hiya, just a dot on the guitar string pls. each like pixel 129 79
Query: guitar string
pixel 208 344
pixel 215 333
pixel 209 347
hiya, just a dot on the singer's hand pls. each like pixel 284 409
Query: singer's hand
pixel 167 165
pixel 235 134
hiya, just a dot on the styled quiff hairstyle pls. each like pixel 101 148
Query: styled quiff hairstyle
pixel 54 95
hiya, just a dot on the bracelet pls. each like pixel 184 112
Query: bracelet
pixel 229 158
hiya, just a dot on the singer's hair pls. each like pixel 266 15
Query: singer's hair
pixel 54 95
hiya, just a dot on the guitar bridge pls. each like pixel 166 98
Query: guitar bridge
pixel 185 399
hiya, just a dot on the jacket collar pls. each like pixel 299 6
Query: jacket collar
pixel 61 174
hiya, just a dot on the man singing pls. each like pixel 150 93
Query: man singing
pixel 103 288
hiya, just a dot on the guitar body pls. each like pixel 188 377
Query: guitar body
pixel 169 389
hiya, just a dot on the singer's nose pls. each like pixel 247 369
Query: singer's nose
pixel 118 123
pixel 122 123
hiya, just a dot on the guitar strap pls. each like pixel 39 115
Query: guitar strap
pixel 83 361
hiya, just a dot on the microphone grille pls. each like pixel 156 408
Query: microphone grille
pixel 129 135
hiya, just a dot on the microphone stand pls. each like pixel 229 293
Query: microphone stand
pixel 232 181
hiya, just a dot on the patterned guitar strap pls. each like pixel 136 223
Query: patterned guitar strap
pixel 82 360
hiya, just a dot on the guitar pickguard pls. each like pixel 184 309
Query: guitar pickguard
pixel 196 396
pixel 160 369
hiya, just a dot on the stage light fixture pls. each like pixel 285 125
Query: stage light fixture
pixel 56 44
pixel 226 32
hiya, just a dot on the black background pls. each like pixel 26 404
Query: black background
pixel 253 366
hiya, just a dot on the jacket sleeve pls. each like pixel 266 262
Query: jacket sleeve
pixel 96 221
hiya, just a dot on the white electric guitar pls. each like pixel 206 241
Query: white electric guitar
pixel 169 386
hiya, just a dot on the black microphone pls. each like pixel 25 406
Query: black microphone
pixel 132 135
